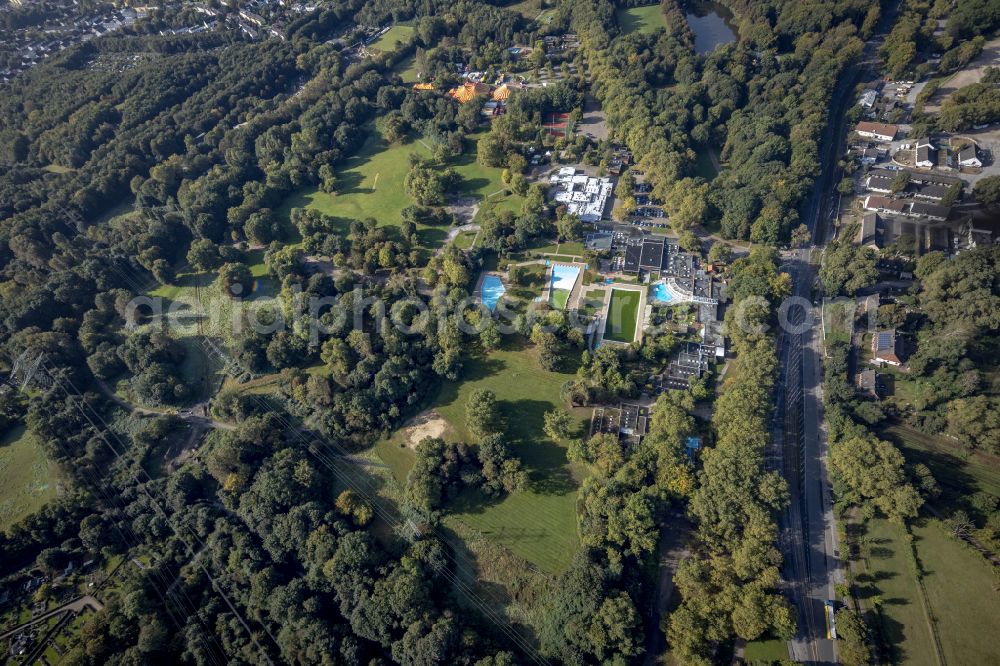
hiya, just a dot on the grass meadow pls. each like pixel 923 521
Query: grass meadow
pixel 646 19
pixel 961 595
pixel 539 523
pixel 397 33
pixel 26 479
pixel 371 184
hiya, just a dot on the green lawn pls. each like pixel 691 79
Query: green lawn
pixel 768 651
pixel 903 618
pixel 958 472
pixel 558 298
pixel 407 69
pixel 961 592
pixel 539 523
pixel 963 595
pixel 704 166
pixel 646 19
pixel 573 248
pixel 465 240
pixel 623 315
pixel 397 33
pixel 26 480
pixel 371 185
pixel 838 320
pixel 484 182
pixel 534 282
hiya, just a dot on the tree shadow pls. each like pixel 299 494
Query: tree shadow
pixel 473 184
pixel 432 237
pixel 349 182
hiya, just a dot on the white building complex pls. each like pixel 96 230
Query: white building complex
pixel 584 196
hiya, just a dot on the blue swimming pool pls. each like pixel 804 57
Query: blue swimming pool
pixel 492 291
pixel 564 277
pixel 661 293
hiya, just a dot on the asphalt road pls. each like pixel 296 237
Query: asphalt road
pixel 808 529
pixel 808 535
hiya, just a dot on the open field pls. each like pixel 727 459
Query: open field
pixel 371 184
pixel 704 166
pixel 838 320
pixel 483 183
pixel 971 73
pixel 539 523
pixel 465 240
pixel 397 33
pixel 961 592
pixel 574 248
pixel 768 651
pixel 407 69
pixel 646 19
pixel 623 315
pixel 963 595
pixel 26 482
pixel 959 472
pixel 534 283
pixel 904 624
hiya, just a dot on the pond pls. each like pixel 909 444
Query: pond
pixel 712 25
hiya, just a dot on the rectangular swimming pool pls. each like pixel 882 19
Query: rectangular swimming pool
pixel 492 291
pixel 563 279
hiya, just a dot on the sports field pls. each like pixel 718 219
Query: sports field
pixel 623 315
pixel 646 19
pixel 397 33
pixel 26 482
pixel 539 523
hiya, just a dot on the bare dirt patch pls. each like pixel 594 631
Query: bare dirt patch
pixel 971 73
pixel 422 426
pixel 464 209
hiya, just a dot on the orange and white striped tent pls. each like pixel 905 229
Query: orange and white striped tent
pixel 467 91
pixel 502 93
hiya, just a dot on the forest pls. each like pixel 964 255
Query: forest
pixel 268 547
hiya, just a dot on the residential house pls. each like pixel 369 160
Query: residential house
pixel 967 157
pixel 877 131
pixel 926 154
pixel 888 206
pixel 879 184
pixel 931 192
pixel 868 383
pixel 868 232
pixel 886 348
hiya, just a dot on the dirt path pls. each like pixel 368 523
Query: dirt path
pixel 453 233
pixel 673 551
pixel 189 414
